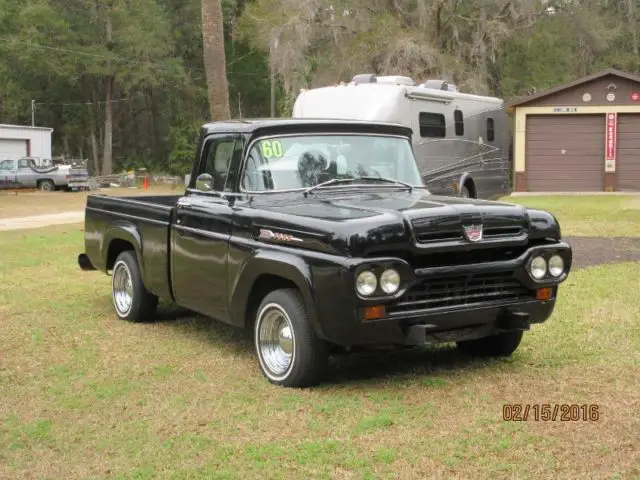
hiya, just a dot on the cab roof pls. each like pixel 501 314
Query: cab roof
pixel 306 125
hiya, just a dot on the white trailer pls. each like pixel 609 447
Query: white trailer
pixel 461 141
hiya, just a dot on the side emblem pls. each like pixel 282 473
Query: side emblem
pixel 269 235
pixel 473 233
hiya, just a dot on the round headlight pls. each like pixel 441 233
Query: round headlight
pixel 538 267
pixel 390 281
pixel 556 265
pixel 366 283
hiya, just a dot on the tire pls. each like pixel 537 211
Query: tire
pixel 131 300
pixel 46 185
pixel 289 352
pixel 500 345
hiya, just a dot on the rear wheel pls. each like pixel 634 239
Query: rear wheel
pixel 131 300
pixel 46 186
pixel 500 345
pixel 289 352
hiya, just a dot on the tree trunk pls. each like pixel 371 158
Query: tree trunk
pixel 94 152
pixel 93 142
pixel 214 59
pixel 107 158
pixel 107 153
pixel 633 25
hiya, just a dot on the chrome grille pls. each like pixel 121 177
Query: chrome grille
pixel 456 234
pixel 459 291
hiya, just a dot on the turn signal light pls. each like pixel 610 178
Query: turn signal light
pixel 374 312
pixel 543 293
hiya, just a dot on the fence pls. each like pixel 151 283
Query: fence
pixel 131 180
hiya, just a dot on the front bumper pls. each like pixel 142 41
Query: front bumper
pixel 441 303
pixel 465 324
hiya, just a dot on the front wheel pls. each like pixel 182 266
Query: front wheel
pixel 500 345
pixel 289 352
pixel 132 301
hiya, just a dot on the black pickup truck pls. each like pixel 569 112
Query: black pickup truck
pixel 319 235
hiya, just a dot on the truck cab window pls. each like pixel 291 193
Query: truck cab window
pixel 491 134
pixel 458 120
pixel 217 161
pixel 23 163
pixel 432 125
pixel 7 165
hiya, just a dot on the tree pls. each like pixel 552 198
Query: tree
pixel 214 59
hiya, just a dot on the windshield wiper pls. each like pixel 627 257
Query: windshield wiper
pixel 345 180
pixel 328 182
pixel 389 180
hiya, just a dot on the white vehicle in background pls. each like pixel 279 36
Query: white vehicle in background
pixel 25 173
pixel 461 141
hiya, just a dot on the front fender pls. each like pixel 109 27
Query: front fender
pixel 271 262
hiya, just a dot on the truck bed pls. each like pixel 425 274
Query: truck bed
pixel 146 222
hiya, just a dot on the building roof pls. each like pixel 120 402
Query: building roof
pixel 25 127
pixel 294 125
pixel 565 86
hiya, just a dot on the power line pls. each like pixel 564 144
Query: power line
pixel 120 59
pixel 87 54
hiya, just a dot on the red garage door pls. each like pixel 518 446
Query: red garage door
pixel 565 153
pixel 628 155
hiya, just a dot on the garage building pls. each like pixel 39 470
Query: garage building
pixel 17 141
pixel 583 136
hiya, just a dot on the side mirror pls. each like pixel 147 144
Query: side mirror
pixel 204 182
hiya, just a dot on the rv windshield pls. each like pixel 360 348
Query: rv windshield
pixel 299 162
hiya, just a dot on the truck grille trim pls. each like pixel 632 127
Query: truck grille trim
pixel 453 235
pixel 460 291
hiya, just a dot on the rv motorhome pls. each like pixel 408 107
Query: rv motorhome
pixel 461 141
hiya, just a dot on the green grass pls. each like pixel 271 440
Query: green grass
pixel 590 215
pixel 83 395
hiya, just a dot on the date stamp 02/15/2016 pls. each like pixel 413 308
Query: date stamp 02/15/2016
pixel 550 412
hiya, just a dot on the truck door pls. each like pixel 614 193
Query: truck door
pixel 201 230
pixel 8 174
pixel 26 175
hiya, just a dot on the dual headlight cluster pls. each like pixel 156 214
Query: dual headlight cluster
pixel 539 267
pixel 367 282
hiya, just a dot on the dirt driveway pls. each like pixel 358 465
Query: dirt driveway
pixel 36 221
pixel 589 251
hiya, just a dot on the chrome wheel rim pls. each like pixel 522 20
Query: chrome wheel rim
pixel 275 341
pixel 122 288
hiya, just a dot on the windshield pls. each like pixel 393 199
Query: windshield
pixel 297 162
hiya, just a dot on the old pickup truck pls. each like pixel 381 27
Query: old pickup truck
pixel 24 173
pixel 319 236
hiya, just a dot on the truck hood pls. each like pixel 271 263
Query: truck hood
pixel 358 223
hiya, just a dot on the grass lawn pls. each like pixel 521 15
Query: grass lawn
pixel 590 215
pixel 24 204
pixel 84 395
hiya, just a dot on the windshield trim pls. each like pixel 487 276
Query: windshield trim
pixel 245 159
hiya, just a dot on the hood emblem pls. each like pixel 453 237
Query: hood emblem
pixel 270 235
pixel 473 233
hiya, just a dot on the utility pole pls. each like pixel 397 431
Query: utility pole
pixel 273 94
pixel 273 44
pixel 33 113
